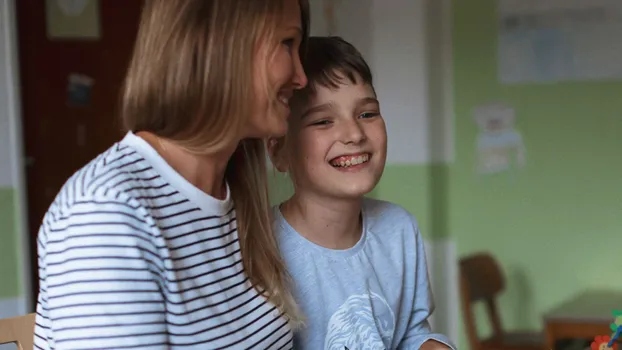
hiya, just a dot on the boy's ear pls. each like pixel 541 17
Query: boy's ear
pixel 277 154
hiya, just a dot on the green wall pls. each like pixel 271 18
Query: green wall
pixel 9 270
pixel 556 227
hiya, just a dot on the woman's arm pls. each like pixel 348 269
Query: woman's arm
pixel 99 278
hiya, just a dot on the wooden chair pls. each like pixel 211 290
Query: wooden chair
pixel 481 279
pixel 19 330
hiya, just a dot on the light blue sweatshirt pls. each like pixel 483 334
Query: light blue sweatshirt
pixel 375 295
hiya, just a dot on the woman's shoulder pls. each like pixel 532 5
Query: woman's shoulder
pixel 102 205
pixel 118 175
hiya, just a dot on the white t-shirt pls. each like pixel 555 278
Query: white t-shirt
pixel 133 256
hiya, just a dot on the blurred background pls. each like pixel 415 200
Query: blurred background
pixel 504 121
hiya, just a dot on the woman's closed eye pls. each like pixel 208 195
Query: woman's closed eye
pixel 289 43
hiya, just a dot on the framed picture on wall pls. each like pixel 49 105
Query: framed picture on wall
pixel 72 19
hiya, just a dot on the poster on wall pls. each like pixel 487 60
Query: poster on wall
pixel 72 19
pixel 559 40
pixel 79 90
pixel 499 146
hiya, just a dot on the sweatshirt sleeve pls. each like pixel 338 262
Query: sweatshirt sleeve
pixel 418 330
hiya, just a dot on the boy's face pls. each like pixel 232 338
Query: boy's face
pixel 337 145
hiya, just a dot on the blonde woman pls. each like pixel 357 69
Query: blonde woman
pixel 164 241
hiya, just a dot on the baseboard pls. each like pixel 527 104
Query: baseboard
pixel 443 268
pixel 11 307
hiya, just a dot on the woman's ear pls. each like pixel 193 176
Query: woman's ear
pixel 276 151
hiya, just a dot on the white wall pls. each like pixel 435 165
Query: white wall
pixel 442 257
pixel 6 151
pixel 11 160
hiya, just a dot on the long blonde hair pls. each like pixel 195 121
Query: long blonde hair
pixel 190 81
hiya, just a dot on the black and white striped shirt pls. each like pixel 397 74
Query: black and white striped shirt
pixel 132 256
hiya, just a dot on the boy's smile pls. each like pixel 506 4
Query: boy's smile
pixel 351 161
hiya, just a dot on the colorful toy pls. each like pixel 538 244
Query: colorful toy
pixel 616 327
pixel 602 342
pixel 605 342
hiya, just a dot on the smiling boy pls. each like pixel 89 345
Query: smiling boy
pixel 358 264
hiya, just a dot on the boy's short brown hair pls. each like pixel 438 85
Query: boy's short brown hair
pixel 329 62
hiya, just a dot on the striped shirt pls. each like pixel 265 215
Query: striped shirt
pixel 132 256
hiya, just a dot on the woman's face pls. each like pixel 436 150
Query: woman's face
pixel 279 71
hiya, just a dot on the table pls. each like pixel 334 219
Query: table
pixel 583 317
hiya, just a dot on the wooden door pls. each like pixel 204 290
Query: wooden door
pixel 59 137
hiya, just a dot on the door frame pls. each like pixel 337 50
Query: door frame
pixel 11 67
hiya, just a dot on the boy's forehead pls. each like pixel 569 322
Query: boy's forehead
pixel 346 93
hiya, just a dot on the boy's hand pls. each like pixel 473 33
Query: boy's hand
pixel 434 345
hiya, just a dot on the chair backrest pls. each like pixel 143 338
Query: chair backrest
pixel 481 279
pixel 19 330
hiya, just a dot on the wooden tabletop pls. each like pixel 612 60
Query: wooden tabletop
pixel 590 306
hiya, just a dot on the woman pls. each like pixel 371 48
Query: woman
pixel 164 241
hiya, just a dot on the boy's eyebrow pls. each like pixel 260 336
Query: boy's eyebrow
pixel 315 109
pixel 329 105
pixel 366 100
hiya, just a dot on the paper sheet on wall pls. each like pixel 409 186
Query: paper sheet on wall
pixel 499 144
pixel 559 40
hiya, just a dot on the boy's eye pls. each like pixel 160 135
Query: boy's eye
pixel 321 122
pixel 368 115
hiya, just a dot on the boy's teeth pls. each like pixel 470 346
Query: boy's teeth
pixel 351 161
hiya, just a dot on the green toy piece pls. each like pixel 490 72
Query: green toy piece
pixel 616 327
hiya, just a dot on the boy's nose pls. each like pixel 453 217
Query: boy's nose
pixel 353 133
